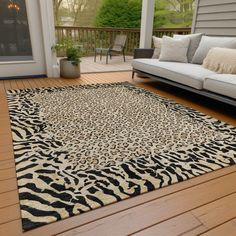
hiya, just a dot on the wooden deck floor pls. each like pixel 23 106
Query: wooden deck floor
pixel 115 64
pixel 204 205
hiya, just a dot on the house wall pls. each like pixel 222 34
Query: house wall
pixel 215 17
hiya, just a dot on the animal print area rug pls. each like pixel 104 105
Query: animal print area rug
pixel 83 147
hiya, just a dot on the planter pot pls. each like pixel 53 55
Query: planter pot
pixel 68 70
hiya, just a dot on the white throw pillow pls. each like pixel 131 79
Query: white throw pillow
pixel 221 60
pixel 208 42
pixel 194 43
pixel 157 45
pixel 174 49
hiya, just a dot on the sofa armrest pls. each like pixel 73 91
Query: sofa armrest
pixel 143 53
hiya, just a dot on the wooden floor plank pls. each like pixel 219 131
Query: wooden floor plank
pixel 5 121
pixel 5 129
pixel 7 84
pixel 207 217
pixel 6 153
pixel 175 227
pixel 20 85
pixel 156 211
pixel 7 174
pixel 32 83
pixel 194 232
pixel 25 83
pixel 209 214
pixel 6 164
pixel 227 229
pixel 43 82
pixel 5 150
pixel 14 85
pixel 5 215
pixel 2 88
pixel 9 198
pixel 6 139
pixel 38 83
pixel 8 185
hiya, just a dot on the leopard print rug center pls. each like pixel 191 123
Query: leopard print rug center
pixel 103 126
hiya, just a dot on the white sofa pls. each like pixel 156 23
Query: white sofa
pixel 188 76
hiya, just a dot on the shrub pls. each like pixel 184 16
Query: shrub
pixel 119 13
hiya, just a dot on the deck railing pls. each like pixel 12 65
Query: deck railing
pixel 91 37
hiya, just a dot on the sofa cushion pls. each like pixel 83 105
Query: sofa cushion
pixel 194 43
pixel 174 49
pixel 157 45
pixel 184 73
pixel 223 84
pixel 208 42
pixel 221 60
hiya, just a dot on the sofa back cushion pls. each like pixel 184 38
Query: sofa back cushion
pixel 208 42
pixel 221 60
pixel 157 45
pixel 194 43
pixel 174 49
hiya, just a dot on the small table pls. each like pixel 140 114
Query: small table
pixel 99 51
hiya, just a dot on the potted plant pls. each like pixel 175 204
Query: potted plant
pixel 70 65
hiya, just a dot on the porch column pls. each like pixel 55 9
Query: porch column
pixel 148 8
pixel 48 28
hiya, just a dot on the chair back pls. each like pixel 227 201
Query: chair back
pixel 119 42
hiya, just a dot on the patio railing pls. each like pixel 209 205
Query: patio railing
pixel 91 37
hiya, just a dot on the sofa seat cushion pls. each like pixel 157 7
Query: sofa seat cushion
pixel 184 73
pixel 223 84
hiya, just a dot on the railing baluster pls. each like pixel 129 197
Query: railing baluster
pixel 91 37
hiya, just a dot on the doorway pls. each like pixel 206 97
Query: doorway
pixel 21 40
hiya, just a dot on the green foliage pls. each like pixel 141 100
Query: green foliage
pixel 127 13
pixel 173 13
pixel 73 50
pixel 119 13
pixel 73 54
pixel 75 12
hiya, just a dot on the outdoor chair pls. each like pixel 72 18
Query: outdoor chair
pixel 117 47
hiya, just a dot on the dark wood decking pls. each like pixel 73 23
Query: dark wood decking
pixel 204 205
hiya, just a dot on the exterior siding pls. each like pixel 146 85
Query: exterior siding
pixel 215 17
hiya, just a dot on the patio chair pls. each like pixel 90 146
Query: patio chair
pixel 117 47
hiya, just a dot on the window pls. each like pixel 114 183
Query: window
pixel 15 44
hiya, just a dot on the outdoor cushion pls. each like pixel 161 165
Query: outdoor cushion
pixel 211 42
pixel 194 43
pixel 223 84
pixel 174 49
pixel 221 60
pixel 157 45
pixel 184 73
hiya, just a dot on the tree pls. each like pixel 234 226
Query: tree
pixel 122 13
pixel 56 6
pixel 75 12
pixel 173 13
pixel 76 7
